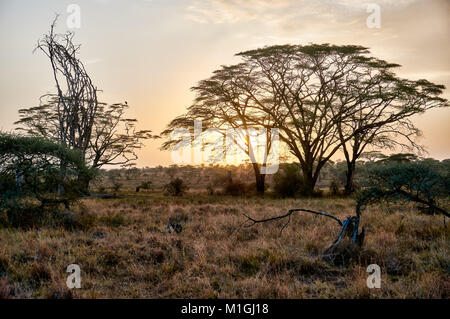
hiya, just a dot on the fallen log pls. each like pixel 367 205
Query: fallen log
pixel 349 227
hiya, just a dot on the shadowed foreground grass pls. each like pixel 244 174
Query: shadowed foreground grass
pixel 124 251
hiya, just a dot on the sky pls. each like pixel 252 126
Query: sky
pixel 151 52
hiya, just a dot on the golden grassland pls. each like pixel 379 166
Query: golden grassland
pixel 124 251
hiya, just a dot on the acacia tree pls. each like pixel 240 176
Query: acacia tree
pixel 389 136
pixel 312 92
pixel 114 138
pixel 322 98
pixel 382 119
pixel 74 116
pixel 222 103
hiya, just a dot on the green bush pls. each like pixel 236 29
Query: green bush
pixel 30 175
pixel 407 181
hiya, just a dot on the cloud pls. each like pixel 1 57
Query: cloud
pixel 413 33
pixel 271 12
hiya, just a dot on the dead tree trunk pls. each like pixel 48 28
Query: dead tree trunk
pixel 76 94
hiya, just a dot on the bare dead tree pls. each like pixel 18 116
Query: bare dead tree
pixel 76 94
pixel 74 116
pixel 76 98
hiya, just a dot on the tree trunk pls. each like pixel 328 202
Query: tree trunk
pixel 349 187
pixel 259 178
pixel 308 182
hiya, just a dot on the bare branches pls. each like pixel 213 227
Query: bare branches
pixel 350 226
pixel 74 117
pixel 115 139
pixel 288 215
pixel 76 98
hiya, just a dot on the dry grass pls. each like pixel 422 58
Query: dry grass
pixel 124 251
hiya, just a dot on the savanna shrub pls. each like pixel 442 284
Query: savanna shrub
pixel 30 173
pixel 27 215
pixel 117 186
pixel 407 181
pixel 238 188
pixel 146 185
pixel 176 187
pixel 288 181
pixel 235 188
pixel 334 187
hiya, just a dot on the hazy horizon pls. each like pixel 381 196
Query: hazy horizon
pixel 149 53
